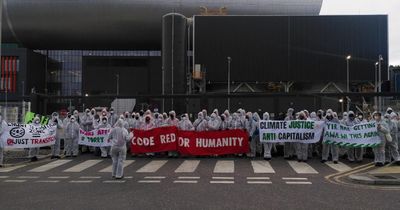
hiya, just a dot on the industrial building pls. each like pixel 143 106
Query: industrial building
pixel 89 53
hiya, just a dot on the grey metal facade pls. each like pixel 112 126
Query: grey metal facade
pixel 122 24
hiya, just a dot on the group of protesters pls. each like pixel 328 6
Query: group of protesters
pixel 68 128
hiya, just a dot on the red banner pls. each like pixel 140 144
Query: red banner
pixel 190 142
pixel 213 142
pixel 155 140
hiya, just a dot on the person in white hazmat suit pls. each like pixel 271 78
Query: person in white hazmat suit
pixel 302 148
pixel 105 151
pixel 185 123
pixel 353 154
pixel 119 136
pixel 55 121
pixel 255 134
pixel 391 146
pixel 214 123
pixel 383 130
pixel 330 148
pixel 33 152
pixel 267 146
pixel 72 138
pixel 200 124
pixel 289 148
pixel 3 126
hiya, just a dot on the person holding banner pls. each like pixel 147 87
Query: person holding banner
pixel 105 151
pixel 255 134
pixel 33 152
pixel 55 149
pixel 148 125
pixel 224 123
pixel 288 148
pixel 3 125
pixel 236 122
pixel 330 148
pixel 200 124
pixel 185 123
pixel 172 121
pixel 267 146
pixel 119 136
pixel 383 130
pixel 72 138
pixel 302 148
pixel 391 146
pixel 353 154
pixel 214 123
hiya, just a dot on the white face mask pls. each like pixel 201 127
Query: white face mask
pixel 72 120
pixel 376 118
pixel 37 121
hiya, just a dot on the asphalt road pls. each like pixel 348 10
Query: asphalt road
pixel 202 183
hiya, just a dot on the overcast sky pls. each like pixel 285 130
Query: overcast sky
pixel 390 7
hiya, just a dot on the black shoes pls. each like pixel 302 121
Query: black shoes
pixel 335 162
pixel 267 158
pixel 379 164
pixel 33 159
pixel 323 161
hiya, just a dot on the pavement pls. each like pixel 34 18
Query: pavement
pixel 387 175
pixel 188 183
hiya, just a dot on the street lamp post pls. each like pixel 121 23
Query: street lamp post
pixel 380 81
pixel 348 79
pixel 376 85
pixel 229 81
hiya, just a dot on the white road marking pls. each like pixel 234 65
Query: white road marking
pixel 149 181
pixel 259 182
pixel 188 166
pixel 80 181
pixel 224 166
pixel 109 168
pixel 294 178
pixel 90 177
pixel 223 177
pixel 4 177
pixel 47 181
pixel 28 177
pixel 222 182
pixel 298 183
pixel 152 167
pixel 340 167
pixel 186 181
pixel 58 177
pixel 15 181
pixel 188 177
pixel 9 169
pixel 302 168
pixel 128 177
pixel 49 166
pixel 260 166
pixel 154 177
pixel 82 166
pixel 114 181
pixel 257 178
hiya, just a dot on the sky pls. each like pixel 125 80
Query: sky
pixel 363 7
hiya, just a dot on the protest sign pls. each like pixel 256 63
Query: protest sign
pixel 156 140
pixel 361 135
pixel 95 138
pixel 28 136
pixel 303 131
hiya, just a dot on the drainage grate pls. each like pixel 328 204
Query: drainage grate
pixel 385 177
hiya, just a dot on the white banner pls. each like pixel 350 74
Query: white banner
pixel 95 138
pixel 28 136
pixel 361 135
pixel 304 131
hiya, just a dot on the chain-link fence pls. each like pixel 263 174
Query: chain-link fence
pixel 14 112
